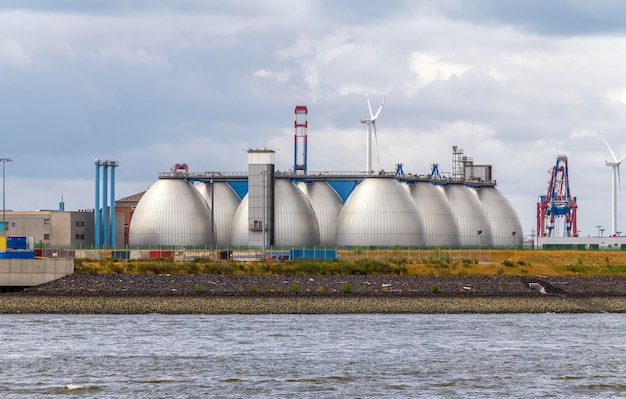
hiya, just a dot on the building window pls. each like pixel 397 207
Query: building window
pixel 80 224
pixel 46 236
pixel 46 221
pixel 80 236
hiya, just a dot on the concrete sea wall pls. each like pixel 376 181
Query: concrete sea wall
pixel 32 272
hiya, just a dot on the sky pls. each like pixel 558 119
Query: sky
pixel 152 83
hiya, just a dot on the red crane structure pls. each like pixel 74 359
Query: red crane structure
pixel 300 138
pixel 557 205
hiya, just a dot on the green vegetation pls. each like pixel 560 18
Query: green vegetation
pixel 395 261
pixel 346 288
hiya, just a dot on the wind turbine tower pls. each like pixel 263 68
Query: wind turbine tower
pixel 371 125
pixel 616 182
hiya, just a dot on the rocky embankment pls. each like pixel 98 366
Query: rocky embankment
pixel 128 293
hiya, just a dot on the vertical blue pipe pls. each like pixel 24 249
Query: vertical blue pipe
pixel 105 221
pixel 306 139
pixel 96 211
pixel 295 153
pixel 112 215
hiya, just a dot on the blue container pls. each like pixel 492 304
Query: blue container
pixel 16 242
pixel 17 255
pixel 313 254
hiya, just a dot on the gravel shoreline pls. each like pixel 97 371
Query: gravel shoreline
pixel 258 294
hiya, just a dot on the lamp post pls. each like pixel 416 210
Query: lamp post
pixel 4 220
pixel 213 229
pixel 479 232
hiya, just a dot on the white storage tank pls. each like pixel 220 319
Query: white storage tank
pixel 440 227
pixel 225 205
pixel 469 215
pixel 327 206
pixel 380 212
pixel 171 213
pixel 505 225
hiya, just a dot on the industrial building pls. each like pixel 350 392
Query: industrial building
pixel 264 208
pixel 267 209
pixel 57 228
pixel 287 209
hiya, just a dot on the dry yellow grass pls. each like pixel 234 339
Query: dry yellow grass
pixel 416 262
pixel 500 262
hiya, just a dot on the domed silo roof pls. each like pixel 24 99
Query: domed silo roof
pixel 171 213
pixel 439 223
pixel 327 205
pixel 503 218
pixel 239 232
pixel 295 222
pixel 469 215
pixel 379 212
pixel 225 203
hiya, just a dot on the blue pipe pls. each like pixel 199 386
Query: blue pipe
pixel 306 139
pixel 96 211
pixel 112 215
pixel 105 221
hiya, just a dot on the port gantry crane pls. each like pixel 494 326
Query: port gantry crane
pixel 558 204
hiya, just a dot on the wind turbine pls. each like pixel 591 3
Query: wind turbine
pixel 616 182
pixel 371 124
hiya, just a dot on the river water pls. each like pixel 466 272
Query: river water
pixel 313 356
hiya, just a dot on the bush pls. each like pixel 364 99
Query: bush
pixel 346 288
pixel 293 287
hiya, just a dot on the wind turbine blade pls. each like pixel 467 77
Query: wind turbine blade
pixel 621 159
pixel 609 147
pixel 369 106
pixel 379 109
pixel 376 141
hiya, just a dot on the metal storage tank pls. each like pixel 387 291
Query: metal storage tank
pixel 439 223
pixel 327 205
pixel 172 212
pixel 295 223
pixel 469 215
pixel 225 204
pixel 379 212
pixel 505 224
pixel 239 231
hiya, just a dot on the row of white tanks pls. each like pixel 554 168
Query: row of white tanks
pixel 380 211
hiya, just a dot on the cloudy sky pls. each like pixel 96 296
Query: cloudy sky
pixel 152 83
